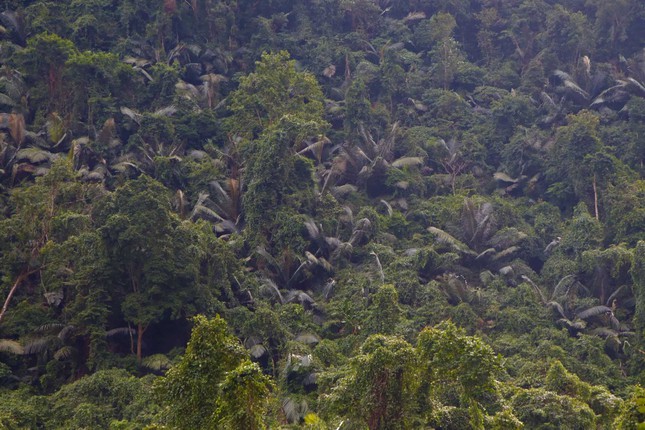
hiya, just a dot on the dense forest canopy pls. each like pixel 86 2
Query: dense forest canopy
pixel 323 214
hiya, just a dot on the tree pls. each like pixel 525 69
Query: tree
pixel 632 414
pixel 638 275
pixel 274 90
pixel 385 313
pixel 578 162
pixel 380 382
pixel 153 256
pixel 43 213
pixel 214 385
pixel 278 180
pixel 244 399
pixel 44 59
pixel 446 52
pixel 450 358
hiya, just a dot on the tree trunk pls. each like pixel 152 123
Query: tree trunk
pixel 595 197
pixel 15 286
pixel 140 330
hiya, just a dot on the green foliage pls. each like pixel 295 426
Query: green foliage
pixel 83 404
pixel 541 409
pixel 274 90
pixel 450 357
pixel 632 413
pixel 384 311
pixel 402 164
pixel 638 274
pixel 156 272
pixel 194 383
pixel 379 384
pixel 244 398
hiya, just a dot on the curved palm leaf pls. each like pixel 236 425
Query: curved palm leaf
pixel 12 346
pixel 156 362
pixel 594 311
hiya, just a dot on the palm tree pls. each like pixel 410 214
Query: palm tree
pixel 224 208
pixel 481 241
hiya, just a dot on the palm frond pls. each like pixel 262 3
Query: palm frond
pixel 635 86
pixel 317 147
pixel 6 100
pixel 575 325
pixel 34 155
pixel 407 162
pixel 388 206
pixel 66 332
pixel 299 296
pixel 165 111
pixel 257 350
pixel 594 311
pixel 132 114
pixel 49 327
pixel 120 331
pixel 414 16
pixel 123 166
pixel 604 332
pixel 503 177
pixel 507 237
pixel 615 294
pixel 308 338
pixel 558 307
pixel 12 346
pixel 273 287
pixel 344 190
pixel 261 251
pixel 506 253
pixel 559 289
pixel 41 344
pixel 312 229
pixel 613 322
pixel 328 288
pixel 535 288
pixel 445 238
pixel 360 231
pixel 485 254
pixel 294 411
pixel 156 362
pixel 294 277
pixel 64 353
